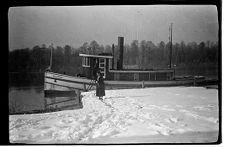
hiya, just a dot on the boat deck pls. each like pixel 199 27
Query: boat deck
pixel 55 81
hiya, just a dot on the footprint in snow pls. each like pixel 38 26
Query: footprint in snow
pixel 45 127
pixel 67 121
pixel 172 120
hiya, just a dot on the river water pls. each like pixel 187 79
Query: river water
pixel 25 92
pixel 26 99
pixel 26 95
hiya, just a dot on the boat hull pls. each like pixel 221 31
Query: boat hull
pixel 55 100
pixel 55 81
pixel 62 92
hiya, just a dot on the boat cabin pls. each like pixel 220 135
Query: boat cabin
pixel 90 63
pixel 111 67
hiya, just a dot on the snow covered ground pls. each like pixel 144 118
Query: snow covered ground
pixel 149 115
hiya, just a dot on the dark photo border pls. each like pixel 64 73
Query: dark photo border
pixel 16 3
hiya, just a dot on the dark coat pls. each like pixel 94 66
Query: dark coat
pixel 100 87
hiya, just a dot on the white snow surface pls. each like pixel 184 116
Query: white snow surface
pixel 127 113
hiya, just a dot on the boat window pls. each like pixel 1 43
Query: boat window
pixel 101 60
pixel 102 64
pixel 86 62
pixel 136 76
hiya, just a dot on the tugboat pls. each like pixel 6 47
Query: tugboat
pixel 115 76
pixel 64 92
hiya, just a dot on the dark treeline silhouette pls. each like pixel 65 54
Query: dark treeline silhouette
pixel 148 55
pixel 191 58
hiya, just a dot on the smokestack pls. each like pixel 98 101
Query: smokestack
pixel 114 61
pixel 120 59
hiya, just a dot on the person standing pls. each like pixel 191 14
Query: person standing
pixel 100 86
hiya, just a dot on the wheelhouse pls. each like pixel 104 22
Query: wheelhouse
pixel 111 67
pixel 89 61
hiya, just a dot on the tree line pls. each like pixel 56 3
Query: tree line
pixel 142 55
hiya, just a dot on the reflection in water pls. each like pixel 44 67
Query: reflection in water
pixel 62 100
pixel 26 95
pixel 25 99
pixel 32 100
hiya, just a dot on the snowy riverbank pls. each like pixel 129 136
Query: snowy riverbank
pixel 150 115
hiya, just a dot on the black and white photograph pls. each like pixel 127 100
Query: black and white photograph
pixel 114 74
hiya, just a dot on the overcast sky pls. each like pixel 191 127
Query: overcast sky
pixel 30 26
